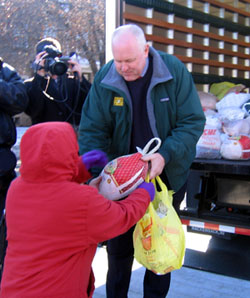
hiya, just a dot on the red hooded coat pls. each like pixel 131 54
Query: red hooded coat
pixel 54 223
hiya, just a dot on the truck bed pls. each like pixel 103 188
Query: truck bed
pixel 237 167
pixel 218 195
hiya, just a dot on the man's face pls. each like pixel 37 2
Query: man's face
pixel 129 57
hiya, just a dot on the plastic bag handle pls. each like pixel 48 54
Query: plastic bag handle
pixel 163 188
pixel 161 184
pixel 145 152
pixel 159 181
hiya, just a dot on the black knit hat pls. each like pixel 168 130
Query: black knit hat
pixel 46 42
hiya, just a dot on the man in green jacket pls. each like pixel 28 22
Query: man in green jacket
pixel 141 94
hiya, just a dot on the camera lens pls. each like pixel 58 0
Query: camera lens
pixel 58 68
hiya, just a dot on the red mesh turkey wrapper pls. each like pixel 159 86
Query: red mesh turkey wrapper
pixel 124 174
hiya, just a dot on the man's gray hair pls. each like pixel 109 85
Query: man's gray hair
pixel 133 29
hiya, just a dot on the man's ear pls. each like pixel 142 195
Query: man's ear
pixel 146 50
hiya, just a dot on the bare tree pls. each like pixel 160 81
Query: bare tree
pixel 77 24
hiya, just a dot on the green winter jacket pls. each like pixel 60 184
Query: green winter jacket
pixel 174 112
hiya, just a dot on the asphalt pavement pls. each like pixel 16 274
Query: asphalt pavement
pixel 188 282
pixel 185 282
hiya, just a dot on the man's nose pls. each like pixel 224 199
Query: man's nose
pixel 124 67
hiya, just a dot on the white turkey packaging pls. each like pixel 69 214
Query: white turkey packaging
pixel 236 148
pixel 208 146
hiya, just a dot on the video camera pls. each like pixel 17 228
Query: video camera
pixel 54 62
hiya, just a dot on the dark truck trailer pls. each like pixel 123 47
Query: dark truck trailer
pixel 204 36
pixel 218 197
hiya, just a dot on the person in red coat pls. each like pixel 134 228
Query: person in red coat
pixel 54 221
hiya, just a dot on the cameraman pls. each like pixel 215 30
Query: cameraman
pixel 13 100
pixel 53 96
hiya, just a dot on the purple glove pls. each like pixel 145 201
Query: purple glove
pixel 150 188
pixel 94 158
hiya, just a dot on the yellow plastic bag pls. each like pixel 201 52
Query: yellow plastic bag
pixel 223 88
pixel 159 240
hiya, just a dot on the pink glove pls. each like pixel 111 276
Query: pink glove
pixel 94 158
pixel 149 187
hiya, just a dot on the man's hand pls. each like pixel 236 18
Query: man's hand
pixel 157 164
pixel 39 61
pixel 74 66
